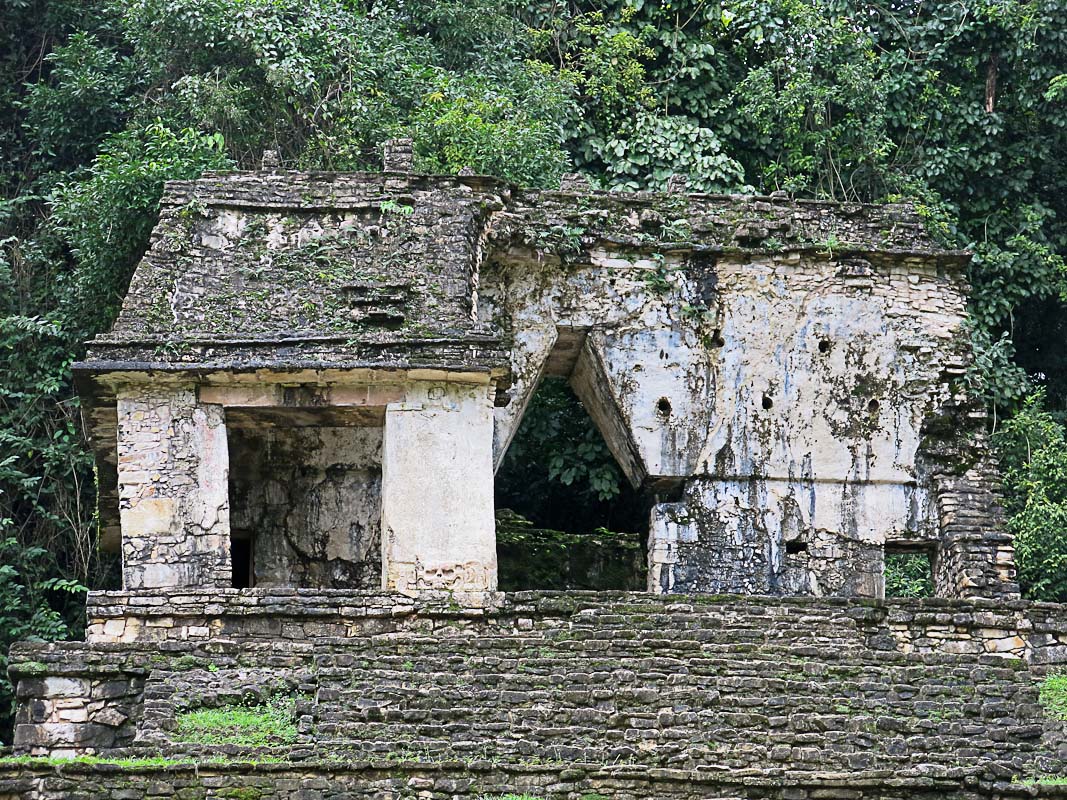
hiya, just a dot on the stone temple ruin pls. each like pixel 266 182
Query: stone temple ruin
pixel 297 419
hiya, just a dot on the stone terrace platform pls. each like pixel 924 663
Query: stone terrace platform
pixel 575 695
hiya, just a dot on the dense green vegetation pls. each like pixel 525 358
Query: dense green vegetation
pixel 1053 696
pixel 961 107
pixel 908 575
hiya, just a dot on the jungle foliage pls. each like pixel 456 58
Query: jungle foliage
pixel 959 106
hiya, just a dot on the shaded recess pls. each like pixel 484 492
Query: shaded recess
pixel 1040 337
pixel 567 517
pixel 909 571
pixel 305 497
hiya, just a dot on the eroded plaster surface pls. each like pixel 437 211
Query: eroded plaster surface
pixel 782 379
pixel 308 498
pixel 438 530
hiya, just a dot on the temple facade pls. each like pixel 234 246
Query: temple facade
pixel 297 420
pixel 315 376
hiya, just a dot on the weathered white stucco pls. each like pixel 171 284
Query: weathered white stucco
pixel 438 530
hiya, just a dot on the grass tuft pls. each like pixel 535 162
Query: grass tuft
pixel 1053 696
pixel 270 723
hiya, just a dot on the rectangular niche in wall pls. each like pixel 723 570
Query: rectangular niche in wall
pixel 909 570
pixel 306 496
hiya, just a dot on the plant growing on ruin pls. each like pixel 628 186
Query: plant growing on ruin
pixel 1053 696
pixel 1033 451
pixel 908 575
pixel 251 725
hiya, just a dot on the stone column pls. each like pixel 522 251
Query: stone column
pixel 173 470
pixel 976 557
pixel 438 528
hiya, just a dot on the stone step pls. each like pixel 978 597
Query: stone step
pixel 360 778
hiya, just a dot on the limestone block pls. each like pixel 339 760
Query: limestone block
pixel 64 687
pixel 438 529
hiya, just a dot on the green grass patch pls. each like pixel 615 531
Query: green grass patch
pixel 147 762
pixel 242 793
pixel 265 724
pixel 1053 696
pixel 1042 780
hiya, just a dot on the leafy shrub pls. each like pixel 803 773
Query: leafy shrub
pixel 83 100
pixel 514 133
pixel 109 210
pixel 652 148
pixel 1033 453
pixel 908 575
pixel 557 444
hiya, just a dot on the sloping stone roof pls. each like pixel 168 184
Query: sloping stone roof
pixel 312 270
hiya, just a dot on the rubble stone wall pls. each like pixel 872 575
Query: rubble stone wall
pixel 173 465
pixel 1036 632
pixel 429 781
pixel 76 708
pixel 932 690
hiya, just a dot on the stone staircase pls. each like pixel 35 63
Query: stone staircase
pixel 595 696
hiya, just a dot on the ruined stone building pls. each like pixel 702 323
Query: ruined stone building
pixel 297 419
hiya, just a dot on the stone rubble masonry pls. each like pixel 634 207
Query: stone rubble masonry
pixel 385 780
pixel 784 376
pixel 173 503
pixel 909 696
pixel 71 709
pixel 1036 632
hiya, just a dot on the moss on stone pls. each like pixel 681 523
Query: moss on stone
pixel 256 725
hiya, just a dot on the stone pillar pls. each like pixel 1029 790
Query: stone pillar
pixel 438 528
pixel 976 557
pixel 173 470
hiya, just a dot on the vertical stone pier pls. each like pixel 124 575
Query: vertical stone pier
pixel 438 530
pixel 172 475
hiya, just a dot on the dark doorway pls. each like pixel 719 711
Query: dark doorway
pixel 567 517
pixel 305 497
pixel 241 558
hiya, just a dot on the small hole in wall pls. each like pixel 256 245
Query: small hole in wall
pixel 663 407
pixel 824 346
pixel 795 546
pixel 768 404
pixel 716 339
pixel 872 407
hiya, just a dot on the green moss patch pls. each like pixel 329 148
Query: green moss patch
pixel 270 723
pixel 1053 696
